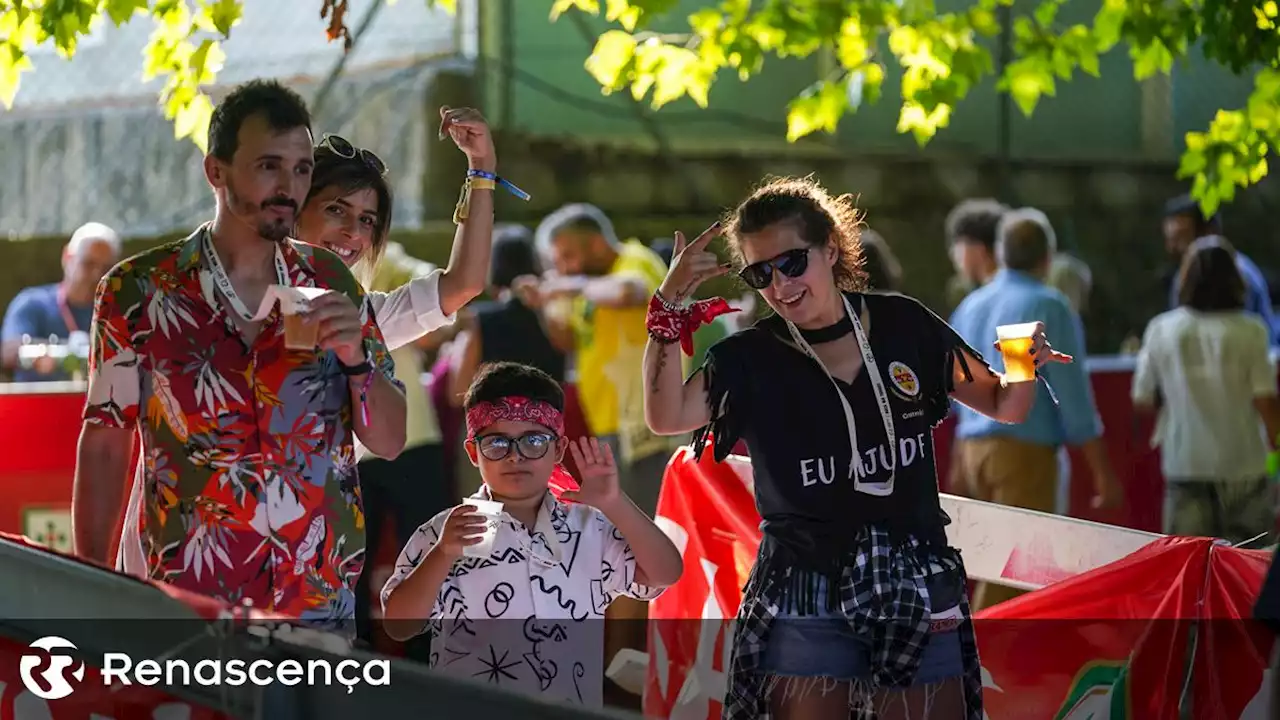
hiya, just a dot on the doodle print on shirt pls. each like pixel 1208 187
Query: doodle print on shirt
pixel 530 615
pixel 538 632
pixel 497 667
pixel 499 599
pixel 509 556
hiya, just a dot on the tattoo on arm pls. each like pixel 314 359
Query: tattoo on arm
pixel 655 384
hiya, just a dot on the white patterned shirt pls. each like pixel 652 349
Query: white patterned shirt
pixel 530 617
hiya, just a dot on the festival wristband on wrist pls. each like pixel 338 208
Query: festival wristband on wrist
pixel 481 180
pixel 510 187
pixel 668 323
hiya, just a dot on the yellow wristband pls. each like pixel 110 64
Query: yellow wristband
pixel 464 200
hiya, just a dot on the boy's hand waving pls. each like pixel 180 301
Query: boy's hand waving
pixel 600 488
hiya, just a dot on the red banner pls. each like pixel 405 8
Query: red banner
pixel 1112 642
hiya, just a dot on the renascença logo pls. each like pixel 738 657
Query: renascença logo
pixel 45 673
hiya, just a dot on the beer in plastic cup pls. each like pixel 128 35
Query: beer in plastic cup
pixel 1015 345
pixel 300 333
pixel 492 513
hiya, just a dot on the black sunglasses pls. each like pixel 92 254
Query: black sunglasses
pixel 343 148
pixel 791 263
pixel 531 446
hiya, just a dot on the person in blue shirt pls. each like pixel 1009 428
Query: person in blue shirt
pixel 61 308
pixel 1017 465
pixel 1184 223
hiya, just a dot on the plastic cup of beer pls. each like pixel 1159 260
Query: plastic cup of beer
pixel 492 513
pixel 1015 346
pixel 300 333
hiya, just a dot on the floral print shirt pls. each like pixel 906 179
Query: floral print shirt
pixel 248 459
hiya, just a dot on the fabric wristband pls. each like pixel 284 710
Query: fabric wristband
pixel 668 323
pixel 507 184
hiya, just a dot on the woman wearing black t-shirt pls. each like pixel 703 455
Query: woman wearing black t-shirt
pixel 856 605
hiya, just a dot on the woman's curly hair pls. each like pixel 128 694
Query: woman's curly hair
pixel 818 216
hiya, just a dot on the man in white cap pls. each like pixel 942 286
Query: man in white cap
pixel 62 308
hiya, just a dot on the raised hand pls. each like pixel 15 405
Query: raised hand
pixel 691 265
pixel 470 132
pixel 598 474
pixel 340 327
pixel 1043 351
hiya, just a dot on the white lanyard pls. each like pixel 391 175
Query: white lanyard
pixel 882 399
pixel 224 283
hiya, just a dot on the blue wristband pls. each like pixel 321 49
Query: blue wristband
pixel 511 188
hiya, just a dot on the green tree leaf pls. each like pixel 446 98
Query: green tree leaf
pixel 612 60
pixel 122 11
pixel 941 60
pixel 819 107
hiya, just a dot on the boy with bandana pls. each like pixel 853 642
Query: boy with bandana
pixel 528 615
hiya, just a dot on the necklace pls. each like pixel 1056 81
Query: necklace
pixel 826 334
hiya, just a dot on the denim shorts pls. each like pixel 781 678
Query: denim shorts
pixel 826 646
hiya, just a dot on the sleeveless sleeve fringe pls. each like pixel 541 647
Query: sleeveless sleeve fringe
pixel 948 349
pixel 724 378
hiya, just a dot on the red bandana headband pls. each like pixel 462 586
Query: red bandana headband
pixel 515 409
pixel 522 409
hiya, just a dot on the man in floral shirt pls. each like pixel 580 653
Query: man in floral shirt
pixel 248 465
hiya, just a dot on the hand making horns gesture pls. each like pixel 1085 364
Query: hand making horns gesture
pixel 691 265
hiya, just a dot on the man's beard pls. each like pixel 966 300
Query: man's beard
pixel 274 230
pixel 269 229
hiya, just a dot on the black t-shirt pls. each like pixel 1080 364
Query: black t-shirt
pixel 511 332
pixel 764 389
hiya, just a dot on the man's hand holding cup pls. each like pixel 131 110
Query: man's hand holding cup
pixel 338 326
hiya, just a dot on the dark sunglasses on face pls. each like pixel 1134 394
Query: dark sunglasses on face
pixel 530 446
pixel 343 148
pixel 791 263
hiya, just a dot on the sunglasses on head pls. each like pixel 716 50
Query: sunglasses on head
pixel 791 263
pixel 343 148
pixel 530 446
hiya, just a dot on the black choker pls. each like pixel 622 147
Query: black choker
pixel 828 333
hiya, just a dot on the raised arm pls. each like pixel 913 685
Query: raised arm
pixel 672 406
pixel 468 268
